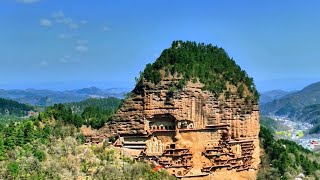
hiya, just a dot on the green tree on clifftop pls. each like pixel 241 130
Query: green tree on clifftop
pixel 209 64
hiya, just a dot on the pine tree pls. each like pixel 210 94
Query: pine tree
pixel 11 140
pixel 2 149
pixel 46 131
pixel 29 131
pixel 20 137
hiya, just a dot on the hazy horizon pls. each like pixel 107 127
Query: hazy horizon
pixel 128 86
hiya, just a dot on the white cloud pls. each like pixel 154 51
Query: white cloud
pixel 44 63
pixel 106 28
pixel 82 48
pixel 73 26
pixel 63 36
pixel 82 42
pixel 45 23
pixel 28 1
pixel 83 22
pixel 58 15
pixel 65 59
pixel 67 20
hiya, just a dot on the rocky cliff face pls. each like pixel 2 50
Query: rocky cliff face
pixel 189 132
pixel 199 108
pixel 193 113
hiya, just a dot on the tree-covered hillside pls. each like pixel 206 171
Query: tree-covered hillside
pixel 310 114
pixel 91 116
pixel 209 64
pixel 105 104
pixel 51 146
pixel 92 112
pixel 10 107
pixel 293 102
pixel 285 159
pixel 272 124
pixel 301 106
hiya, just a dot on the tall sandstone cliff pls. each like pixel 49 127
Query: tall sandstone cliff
pixel 187 128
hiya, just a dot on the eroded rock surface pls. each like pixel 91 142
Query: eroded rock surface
pixel 189 132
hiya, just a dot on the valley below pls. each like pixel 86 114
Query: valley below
pixel 296 131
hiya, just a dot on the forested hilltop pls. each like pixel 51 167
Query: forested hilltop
pixel 104 104
pixel 284 159
pixel 209 64
pixel 12 111
pixel 10 107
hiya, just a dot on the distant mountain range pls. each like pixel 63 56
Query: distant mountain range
pixel 301 105
pixel 269 96
pixel 49 97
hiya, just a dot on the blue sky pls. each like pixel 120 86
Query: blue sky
pixel 59 44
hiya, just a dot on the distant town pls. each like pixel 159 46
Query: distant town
pixel 298 132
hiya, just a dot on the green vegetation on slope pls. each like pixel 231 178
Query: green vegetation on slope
pixel 10 107
pixel 301 106
pixel 285 159
pixel 12 111
pixel 272 124
pixel 104 104
pixel 310 114
pixel 315 129
pixel 292 103
pixel 91 116
pixel 51 147
pixel 6 119
pixel 209 64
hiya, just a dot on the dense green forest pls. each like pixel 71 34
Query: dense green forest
pixel 310 114
pixel 6 119
pixel 10 107
pixel 104 104
pixel 90 112
pixel 50 146
pixel 92 116
pixel 284 159
pixel 207 63
pixel 12 111
pixel 315 129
